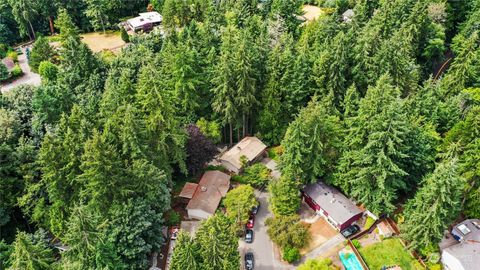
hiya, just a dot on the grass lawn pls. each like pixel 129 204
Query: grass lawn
pixel 389 252
pixel 368 223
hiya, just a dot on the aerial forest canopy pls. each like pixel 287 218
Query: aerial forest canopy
pixel 386 107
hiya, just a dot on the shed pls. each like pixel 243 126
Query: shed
pixel 330 203
pixel 213 186
pixel 250 147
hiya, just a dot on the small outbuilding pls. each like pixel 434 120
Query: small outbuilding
pixel 206 195
pixel 251 148
pixel 330 203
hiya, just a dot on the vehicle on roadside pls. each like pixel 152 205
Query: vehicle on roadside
pixel 249 261
pixel 173 233
pixel 251 222
pixel 249 236
pixel 255 209
pixel 351 230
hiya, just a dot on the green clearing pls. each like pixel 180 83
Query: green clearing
pixel 389 252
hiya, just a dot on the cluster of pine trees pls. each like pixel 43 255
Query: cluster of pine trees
pixel 91 155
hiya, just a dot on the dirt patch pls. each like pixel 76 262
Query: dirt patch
pixel 98 42
pixel 311 12
pixel 321 232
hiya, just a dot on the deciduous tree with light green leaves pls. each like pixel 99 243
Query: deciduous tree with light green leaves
pixel 239 202
pixel 285 196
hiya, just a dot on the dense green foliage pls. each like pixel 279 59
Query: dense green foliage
pixel 288 232
pixel 92 153
pixel 256 175
pixel 317 264
pixel 239 203
pixel 25 18
pixel 215 246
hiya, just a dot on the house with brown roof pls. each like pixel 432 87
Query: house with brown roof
pixel 330 203
pixel 251 148
pixel 206 195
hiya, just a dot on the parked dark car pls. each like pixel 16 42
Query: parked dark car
pixel 249 261
pixel 351 230
pixel 255 209
pixel 249 236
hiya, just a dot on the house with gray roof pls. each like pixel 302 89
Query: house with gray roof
pixel 330 203
pixel 251 148
pixel 464 252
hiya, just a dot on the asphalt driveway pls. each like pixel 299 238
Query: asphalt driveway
pixel 262 247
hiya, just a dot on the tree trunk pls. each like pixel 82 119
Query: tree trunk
pixel 33 31
pixel 52 30
pixel 238 134
pixel 244 128
pixel 231 133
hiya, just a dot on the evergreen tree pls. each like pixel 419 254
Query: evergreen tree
pixel 435 205
pixel 165 139
pixel 31 252
pixel 312 143
pixel 218 243
pixel 371 168
pixel 41 51
pixel 186 253
pixel 65 25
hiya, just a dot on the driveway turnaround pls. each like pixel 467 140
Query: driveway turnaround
pixel 28 76
pixel 262 247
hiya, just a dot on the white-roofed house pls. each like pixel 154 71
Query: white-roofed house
pixel 330 203
pixel 145 21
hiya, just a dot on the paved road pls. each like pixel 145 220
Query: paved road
pixel 28 76
pixel 262 247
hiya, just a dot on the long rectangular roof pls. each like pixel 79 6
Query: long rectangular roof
pixel 337 206
pixel 145 18
pixel 250 147
pixel 212 187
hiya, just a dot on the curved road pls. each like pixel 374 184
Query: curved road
pixel 28 76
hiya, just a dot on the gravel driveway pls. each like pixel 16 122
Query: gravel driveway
pixel 262 247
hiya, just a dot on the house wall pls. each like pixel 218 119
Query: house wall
pixel 229 166
pixel 450 262
pixel 350 221
pixel 320 211
pixel 198 214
